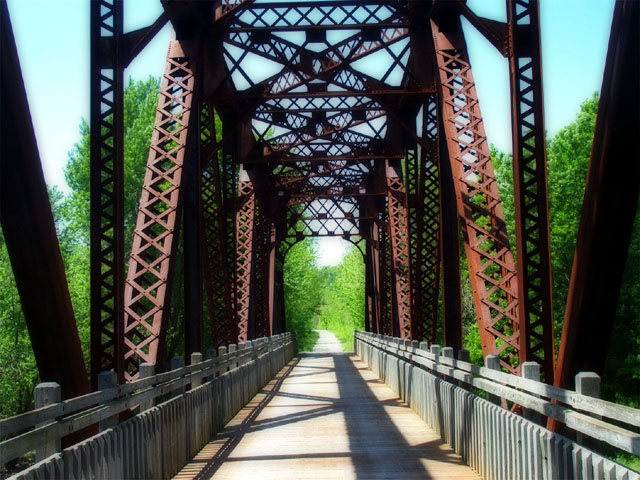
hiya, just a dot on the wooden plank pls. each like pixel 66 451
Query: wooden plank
pixel 330 417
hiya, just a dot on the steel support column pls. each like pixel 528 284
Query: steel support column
pixel 450 250
pixel 107 188
pixel 245 228
pixel 216 208
pixel 191 240
pixel 424 225
pixel 30 234
pixel 400 260
pixel 609 208
pixel 153 254
pixel 491 265
pixel 535 311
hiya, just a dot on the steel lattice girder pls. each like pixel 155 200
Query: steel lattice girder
pixel 329 119
pixel 424 225
pixel 107 188
pixel 219 273
pixel 530 187
pixel 149 278
pixel 244 228
pixel 491 265
pixel 400 259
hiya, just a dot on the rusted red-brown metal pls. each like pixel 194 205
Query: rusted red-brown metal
pixel 153 253
pixel 450 250
pixel 609 207
pixel 192 246
pixel 244 228
pixel 219 272
pixel 424 225
pixel 400 258
pixel 30 234
pixel 491 264
pixel 107 188
pixel 530 187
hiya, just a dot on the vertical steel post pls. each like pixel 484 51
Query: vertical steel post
pixel 191 242
pixel 244 228
pixel 107 188
pixel 450 247
pixel 400 260
pixel 535 309
pixel 214 211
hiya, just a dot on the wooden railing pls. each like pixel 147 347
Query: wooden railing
pixel 496 442
pixel 158 440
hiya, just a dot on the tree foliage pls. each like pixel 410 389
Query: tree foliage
pixel 302 281
pixel 568 154
pixel 342 309
pixel 18 370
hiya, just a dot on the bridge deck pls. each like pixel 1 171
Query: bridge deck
pixel 326 416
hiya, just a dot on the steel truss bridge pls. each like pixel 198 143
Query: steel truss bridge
pixel 360 119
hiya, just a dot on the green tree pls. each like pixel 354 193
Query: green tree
pixel 18 370
pixel 568 153
pixel 301 292
pixel 343 306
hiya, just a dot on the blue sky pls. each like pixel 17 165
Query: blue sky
pixel 53 44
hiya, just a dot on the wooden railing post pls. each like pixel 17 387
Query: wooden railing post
pixel 45 394
pixel 435 349
pixel 464 355
pixel 531 371
pixel 107 380
pixel 587 383
pixel 196 357
pixel 146 370
pixel 493 362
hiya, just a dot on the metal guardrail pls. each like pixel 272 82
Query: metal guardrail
pixel 494 441
pixel 219 388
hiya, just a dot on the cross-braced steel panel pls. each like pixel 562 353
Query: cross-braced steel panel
pixel 219 277
pixel 149 278
pixel 422 173
pixel 107 188
pixel 245 228
pixel 491 265
pixel 530 187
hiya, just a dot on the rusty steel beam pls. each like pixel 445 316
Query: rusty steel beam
pixel 192 239
pixel 535 309
pixel 30 233
pixel 219 273
pixel 400 258
pixel 155 239
pixel 450 250
pixel 261 282
pixel 491 264
pixel 609 207
pixel 244 254
pixel 422 173
pixel 107 188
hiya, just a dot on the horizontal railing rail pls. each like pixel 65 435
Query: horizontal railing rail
pixel 33 430
pixel 399 362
